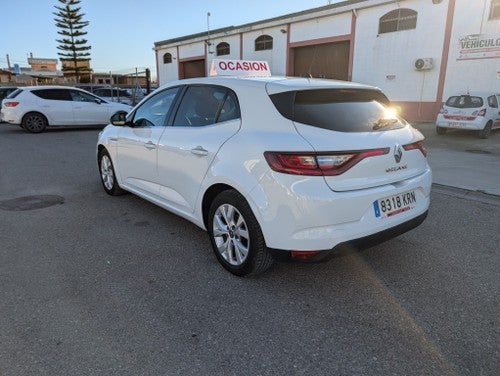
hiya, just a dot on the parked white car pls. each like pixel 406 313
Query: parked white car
pixel 37 107
pixel 273 166
pixel 115 95
pixel 477 111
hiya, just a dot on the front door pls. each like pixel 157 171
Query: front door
pixel 137 144
pixel 87 111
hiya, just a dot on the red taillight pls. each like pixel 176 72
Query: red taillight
pixel 416 145
pixel 10 104
pixel 318 164
pixel 482 112
pixel 303 255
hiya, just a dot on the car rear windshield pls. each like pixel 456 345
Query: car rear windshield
pixel 464 101
pixel 341 110
pixel 14 94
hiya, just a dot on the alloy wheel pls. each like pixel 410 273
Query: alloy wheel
pixel 107 175
pixel 231 234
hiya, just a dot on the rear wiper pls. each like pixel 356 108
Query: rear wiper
pixel 382 123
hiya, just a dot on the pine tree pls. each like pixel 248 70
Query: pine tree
pixel 74 54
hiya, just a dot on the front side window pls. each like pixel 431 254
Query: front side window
pixel 264 42
pixel 53 94
pixel 155 111
pixel 205 105
pixel 223 49
pixel 79 96
pixel 397 20
pixel 495 9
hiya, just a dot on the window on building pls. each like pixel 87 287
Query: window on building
pixel 396 20
pixel 264 42
pixel 495 9
pixel 223 49
pixel 167 58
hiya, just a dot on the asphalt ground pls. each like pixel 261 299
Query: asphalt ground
pixel 100 285
pixel 461 159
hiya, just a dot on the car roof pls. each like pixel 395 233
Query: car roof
pixel 48 87
pixel 273 84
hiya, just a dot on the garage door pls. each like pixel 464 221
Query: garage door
pixel 193 68
pixel 330 60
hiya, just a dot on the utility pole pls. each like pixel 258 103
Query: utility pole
pixel 148 81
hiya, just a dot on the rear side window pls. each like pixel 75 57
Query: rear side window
pixel 464 101
pixel 53 94
pixel 341 110
pixel 205 105
pixel 492 101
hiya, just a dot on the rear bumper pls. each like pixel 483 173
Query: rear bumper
pixel 359 243
pixel 305 215
pixel 477 124
pixel 10 117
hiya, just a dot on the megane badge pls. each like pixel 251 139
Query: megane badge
pixel 398 153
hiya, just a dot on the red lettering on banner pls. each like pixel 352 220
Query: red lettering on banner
pixel 242 68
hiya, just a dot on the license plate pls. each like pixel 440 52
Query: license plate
pixel 457 124
pixel 393 205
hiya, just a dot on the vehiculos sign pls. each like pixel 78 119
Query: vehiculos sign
pixel 240 68
pixel 478 46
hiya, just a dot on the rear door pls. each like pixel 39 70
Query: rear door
pixel 207 116
pixel 56 105
pixel 356 126
pixel 493 110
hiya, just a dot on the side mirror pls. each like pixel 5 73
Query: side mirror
pixel 98 101
pixel 119 119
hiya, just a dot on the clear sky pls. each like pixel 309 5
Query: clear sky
pixel 122 32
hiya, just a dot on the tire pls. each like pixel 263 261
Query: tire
pixel 236 237
pixel 107 173
pixel 486 131
pixel 440 130
pixel 34 122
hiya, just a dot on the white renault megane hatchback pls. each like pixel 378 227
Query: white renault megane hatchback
pixel 271 166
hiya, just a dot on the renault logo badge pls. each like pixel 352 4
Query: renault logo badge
pixel 398 153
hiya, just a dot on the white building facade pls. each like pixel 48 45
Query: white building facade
pixel 417 51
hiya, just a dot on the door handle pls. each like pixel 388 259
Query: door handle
pixel 150 145
pixel 199 151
